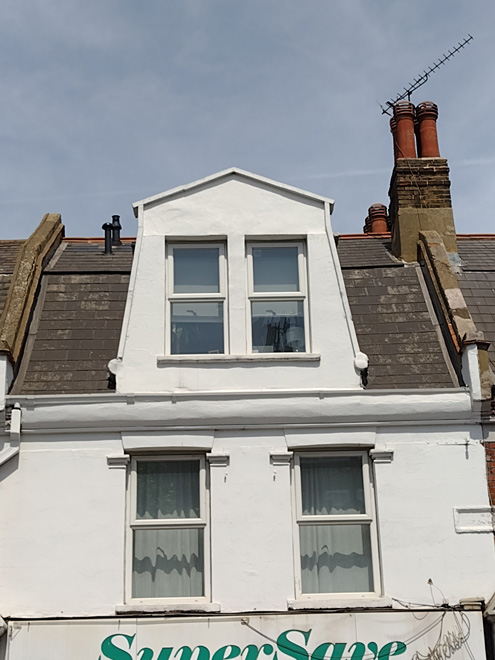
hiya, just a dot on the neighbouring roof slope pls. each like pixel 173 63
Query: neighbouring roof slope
pixel 366 250
pixel 393 317
pixel 477 283
pixel 9 251
pixel 76 326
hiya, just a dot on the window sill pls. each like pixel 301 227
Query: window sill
pixel 155 608
pixel 368 602
pixel 249 358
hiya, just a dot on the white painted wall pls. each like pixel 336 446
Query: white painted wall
pixel 63 524
pixel 64 509
pixel 234 209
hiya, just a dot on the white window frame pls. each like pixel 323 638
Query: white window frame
pixel 172 297
pixel 262 296
pixel 336 519
pixel 168 523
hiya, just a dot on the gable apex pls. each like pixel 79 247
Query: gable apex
pixel 230 173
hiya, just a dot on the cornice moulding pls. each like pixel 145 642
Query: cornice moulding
pixel 68 413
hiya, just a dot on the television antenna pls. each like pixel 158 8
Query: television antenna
pixel 421 79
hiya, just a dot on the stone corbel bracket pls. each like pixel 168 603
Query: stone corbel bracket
pixel 381 454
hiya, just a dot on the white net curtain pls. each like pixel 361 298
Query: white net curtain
pixel 335 552
pixel 168 561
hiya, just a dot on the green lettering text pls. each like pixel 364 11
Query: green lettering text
pixel 289 648
pixel 165 653
pixel 113 652
pixel 145 654
pixel 387 651
pixel 322 652
pixel 199 653
pixel 226 652
pixel 251 652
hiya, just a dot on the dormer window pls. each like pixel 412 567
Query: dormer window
pixel 196 298
pixel 277 294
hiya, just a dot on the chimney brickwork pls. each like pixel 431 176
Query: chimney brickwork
pixel 420 188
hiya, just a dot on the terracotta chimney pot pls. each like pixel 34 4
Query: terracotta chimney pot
pixel 393 130
pixel 404 117
pixel 377 215
pixel 427 113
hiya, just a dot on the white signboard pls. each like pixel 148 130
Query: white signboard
pixel 311 636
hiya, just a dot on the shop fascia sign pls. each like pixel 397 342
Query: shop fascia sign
pixel 291 644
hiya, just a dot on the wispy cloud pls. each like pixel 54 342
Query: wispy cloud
pixel 348 173
pixel 104 102
pixel 476 162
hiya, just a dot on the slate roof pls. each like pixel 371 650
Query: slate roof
pixel 366 250
pixel 395 325
pixel 75 330
pixel 76 326
pixel 477 283
pixel 8 256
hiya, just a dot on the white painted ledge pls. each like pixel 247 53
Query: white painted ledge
pixel 340 603
pixel 142 608
pixel 220 358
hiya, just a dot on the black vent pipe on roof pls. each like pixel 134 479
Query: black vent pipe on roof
pixel 108 227
pixel 116 227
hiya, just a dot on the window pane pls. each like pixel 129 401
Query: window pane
pixel 278 326
pixel 196 270
pixel 332 486
pixel 335 559
pixel 167 563
pixel 275 269
pixel 197 327
pixel 167 489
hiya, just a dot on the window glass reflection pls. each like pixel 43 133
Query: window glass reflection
pixel 196 270
pixel 278 326
pixel 197 328
pixel 275 269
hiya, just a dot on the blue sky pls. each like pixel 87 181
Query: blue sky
pixel 105 102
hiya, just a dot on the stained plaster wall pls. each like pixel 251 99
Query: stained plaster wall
pixel 234 210
pixel 64 553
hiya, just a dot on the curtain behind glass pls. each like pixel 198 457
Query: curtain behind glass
pixel 168 563
pixel 332 486
pixel 167 489
pixel 335 559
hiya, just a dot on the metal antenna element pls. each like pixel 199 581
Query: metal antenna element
pixel 420 80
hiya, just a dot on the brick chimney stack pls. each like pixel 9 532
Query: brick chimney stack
pixel 420 186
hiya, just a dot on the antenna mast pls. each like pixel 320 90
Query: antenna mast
pixel 420 80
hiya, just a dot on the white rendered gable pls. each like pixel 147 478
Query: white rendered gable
pixel 237 210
